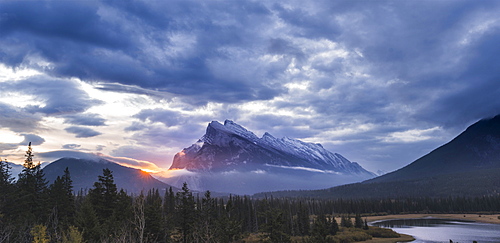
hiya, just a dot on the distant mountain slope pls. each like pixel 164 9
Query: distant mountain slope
pixel 85 172
pixel 469 165
pixel 229 158
pixel 477 148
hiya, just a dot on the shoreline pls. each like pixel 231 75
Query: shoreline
pixel 481 218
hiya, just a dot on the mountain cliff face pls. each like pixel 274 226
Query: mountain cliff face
pixel 232 147
pixel 229 158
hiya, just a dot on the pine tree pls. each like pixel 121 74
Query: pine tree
pixel 273 227
pixel 103 195
pixel 168 212
pixel 86 220
pixel 62 199
pixel 205 226
pixel 6 197
pixel 320 229
pixel 346 221
pixel 303 223
pixel 104 198
pixel 32 202
pixel 358 221
pixel 227 225
pixel 153 215
pixel 334 226
pixel 6 187
pixel 186 214
pixel 6 179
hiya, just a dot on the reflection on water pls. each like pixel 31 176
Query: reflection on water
pixel 443 230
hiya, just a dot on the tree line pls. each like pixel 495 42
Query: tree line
pixel 31 210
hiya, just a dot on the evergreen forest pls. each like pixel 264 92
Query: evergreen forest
pixel 32 210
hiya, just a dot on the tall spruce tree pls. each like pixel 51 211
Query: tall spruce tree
pixel 32 202
pixel 320 229
pixel 62 199
pixel 6 186
pixel 358 221
pixel 346 221
pixel 205 225
pixel 6 198
pixel 169 212
pixel 228 227
pixel 273 227
pixel 87 221
pixel 303 222
pixel 153 216
pixel 334 226
pixel 186 213
pixel 103 195
pixel 104 198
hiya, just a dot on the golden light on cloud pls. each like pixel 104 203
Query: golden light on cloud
pixel 150 171
pixel 143 165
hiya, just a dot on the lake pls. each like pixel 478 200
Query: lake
pixel 443 230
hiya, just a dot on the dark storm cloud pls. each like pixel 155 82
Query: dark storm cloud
pixel 133 47
pixel 85 120
pixel 82 132
pixel 372 68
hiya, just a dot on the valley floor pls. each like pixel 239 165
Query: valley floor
pixel 483 218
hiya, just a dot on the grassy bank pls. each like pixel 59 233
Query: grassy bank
pixel 373 234
pixel 483 218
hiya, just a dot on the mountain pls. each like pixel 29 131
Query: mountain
pixel 85 172
pixel 468 165
pixel 477 148
pixel 15 169
pixel 231 158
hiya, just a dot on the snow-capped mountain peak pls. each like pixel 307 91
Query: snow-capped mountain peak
pixel 230 158
pixel 232 147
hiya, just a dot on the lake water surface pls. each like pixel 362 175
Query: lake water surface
pixel 443 230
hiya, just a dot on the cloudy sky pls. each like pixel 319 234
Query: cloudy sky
pixel 380 82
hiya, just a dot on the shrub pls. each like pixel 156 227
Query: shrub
pixel 382 232
pixel 351 236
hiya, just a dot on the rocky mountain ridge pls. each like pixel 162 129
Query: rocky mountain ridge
pixel 231 146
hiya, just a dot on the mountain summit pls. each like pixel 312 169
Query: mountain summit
pixel 229 149
pixel 232 147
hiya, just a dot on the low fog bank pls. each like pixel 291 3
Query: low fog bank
pixel 251 182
